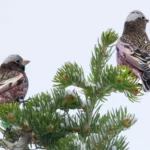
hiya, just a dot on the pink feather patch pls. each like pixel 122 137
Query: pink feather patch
pixel 9 83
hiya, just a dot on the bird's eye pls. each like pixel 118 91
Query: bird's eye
pixel 143 18
pixel 17 61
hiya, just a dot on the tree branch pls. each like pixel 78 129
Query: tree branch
pixel 21 144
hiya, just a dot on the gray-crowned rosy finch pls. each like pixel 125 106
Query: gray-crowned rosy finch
pixel 133 47
pixel 13 80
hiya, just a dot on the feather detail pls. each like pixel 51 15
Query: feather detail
pixel 13 85
pixel 133 56
pixel 10 82
pixel 137 61
pixel 13 79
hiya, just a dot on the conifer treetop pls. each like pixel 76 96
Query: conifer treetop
pixel 45 120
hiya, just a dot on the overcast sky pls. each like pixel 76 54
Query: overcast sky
pixel 51 32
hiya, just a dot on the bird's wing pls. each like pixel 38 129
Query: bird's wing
pixel 8 82
pixel 133 56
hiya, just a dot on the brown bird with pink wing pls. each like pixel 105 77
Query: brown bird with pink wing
pixel 13 79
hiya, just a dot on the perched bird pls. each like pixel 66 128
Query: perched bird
pixel 13 80
pixel 133 47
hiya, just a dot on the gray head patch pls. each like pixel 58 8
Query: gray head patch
pixel 134 15
pixel 13 58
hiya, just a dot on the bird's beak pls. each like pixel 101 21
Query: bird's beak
pixel 147 20
pixel 25 62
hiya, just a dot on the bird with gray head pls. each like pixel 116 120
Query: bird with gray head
pixel 13 80
pixel 133 47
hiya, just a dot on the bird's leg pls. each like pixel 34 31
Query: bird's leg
pixel 20 100
pixel 27 99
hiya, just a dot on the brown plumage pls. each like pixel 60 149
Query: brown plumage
pixel 133 47
pixel 134 33
pixel 13 80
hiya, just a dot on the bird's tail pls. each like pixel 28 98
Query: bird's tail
pixel 146 81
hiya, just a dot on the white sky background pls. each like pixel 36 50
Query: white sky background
pixel 50 33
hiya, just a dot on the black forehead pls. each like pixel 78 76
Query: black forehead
pixel 15 56
pixel 137 12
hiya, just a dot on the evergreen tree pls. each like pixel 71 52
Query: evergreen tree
pixel 45 120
